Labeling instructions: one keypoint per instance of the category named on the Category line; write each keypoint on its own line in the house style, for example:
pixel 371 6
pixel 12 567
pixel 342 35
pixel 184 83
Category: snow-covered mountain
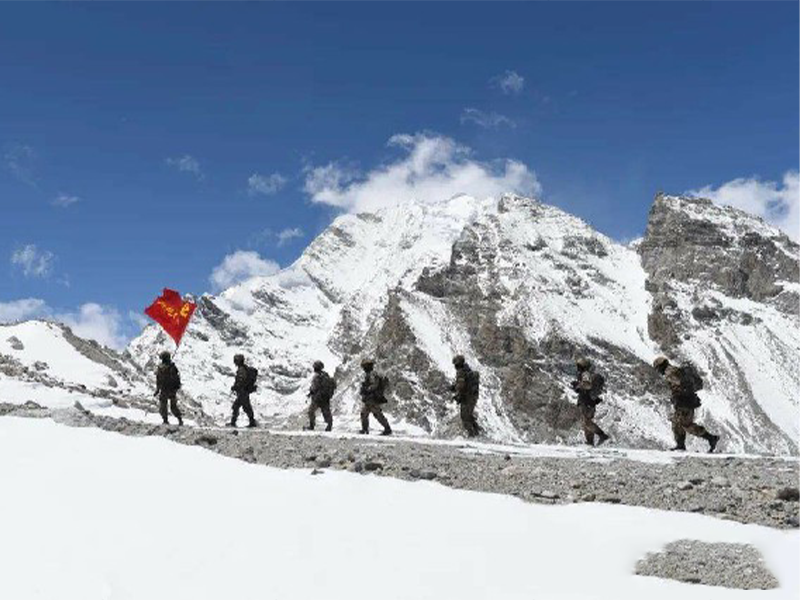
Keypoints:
pixel 520 288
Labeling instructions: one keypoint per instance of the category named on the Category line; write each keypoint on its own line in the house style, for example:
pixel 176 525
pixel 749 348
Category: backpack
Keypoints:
pixel 327 387
pixel 690 378
pixel 598 386
pixel 172 378
pixel 473 384
pixel 383 385
pixel 250 379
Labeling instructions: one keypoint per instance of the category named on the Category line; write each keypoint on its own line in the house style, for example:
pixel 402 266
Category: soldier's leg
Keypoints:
pixel 173 406
pixel 326 414
pixel 678 432
pixel 381 418
pixel 236 406
pixel 162 407
pixel 248 409
pixel 365 418
pixel 468 418
pixel 312 415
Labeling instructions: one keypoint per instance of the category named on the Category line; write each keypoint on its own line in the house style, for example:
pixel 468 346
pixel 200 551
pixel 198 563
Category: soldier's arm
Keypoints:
pixel 158 382
pixel 315 384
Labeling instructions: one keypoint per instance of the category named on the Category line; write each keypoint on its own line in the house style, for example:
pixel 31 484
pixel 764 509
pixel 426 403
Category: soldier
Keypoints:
pixel 243 386
pixel 684 383
pixel 168 382
pixel 465 391
pixel 373 395
pixel 590 386
pixel 322 388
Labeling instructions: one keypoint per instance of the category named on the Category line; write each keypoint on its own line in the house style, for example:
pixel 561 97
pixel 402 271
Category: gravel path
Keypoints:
pixel 760 490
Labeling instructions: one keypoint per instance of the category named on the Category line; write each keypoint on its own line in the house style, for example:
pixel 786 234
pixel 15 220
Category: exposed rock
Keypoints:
pixel 736 566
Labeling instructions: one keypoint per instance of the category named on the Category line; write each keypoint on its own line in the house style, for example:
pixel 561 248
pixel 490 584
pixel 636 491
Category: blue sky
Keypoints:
pixel 142 144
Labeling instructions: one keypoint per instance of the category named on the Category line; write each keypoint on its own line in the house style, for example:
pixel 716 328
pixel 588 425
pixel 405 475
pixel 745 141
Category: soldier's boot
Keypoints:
pixel 603 438
pixel 252 424
pixel 329 426
pixel 180 421
pixel 387 431
pixel 712 441
pixel 589 436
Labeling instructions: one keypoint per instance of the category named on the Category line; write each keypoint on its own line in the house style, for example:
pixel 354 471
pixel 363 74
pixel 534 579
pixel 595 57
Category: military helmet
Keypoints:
pixel 367 363
pixel 165 356
pixel 660 363
pixel 238 359
pixel 583 363
pixel 458 360
pixel 318 365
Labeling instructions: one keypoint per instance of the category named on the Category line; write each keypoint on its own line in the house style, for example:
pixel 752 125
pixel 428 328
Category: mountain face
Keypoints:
pixel 521 289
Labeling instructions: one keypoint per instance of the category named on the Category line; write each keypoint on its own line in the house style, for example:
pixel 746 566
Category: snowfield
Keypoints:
pixel 90 515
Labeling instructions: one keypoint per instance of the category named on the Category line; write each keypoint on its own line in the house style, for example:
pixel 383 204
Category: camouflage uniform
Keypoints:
pixel 683 385
pixel 587 406
pixel 684 403
pixel 467 399
pixel 318 403
pixel 242 397
pixel 168 382
pixel 372 399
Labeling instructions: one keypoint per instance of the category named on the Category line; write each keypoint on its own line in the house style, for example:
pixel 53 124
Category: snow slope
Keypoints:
pixel 92 515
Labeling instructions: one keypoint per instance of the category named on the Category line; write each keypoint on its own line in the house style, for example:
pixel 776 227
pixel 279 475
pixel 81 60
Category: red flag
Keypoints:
pixel 171 312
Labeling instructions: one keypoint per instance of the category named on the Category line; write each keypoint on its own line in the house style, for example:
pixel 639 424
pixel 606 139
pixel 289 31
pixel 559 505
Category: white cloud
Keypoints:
pixel 186 164
pixel 90 321
pixel 32 261
pixel 96 322
pixel 509 82
pixel 777 203
pixel 486 120
pixel 288 234
pixel 433 168
pixel 19 161
pixel 65 200
pixel 265 184
pixel 239 266
pixel 20 310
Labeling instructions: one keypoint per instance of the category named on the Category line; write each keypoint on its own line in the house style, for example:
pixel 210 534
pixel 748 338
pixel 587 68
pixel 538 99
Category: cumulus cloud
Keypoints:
pixel 20 310
pixel 91 320
pixel 65 200
pixel 776 202
pixel 265 184
pixel 19 160
pixel 509 82
pixel 186 164
pixel 288 234
pixel 239 266
pixel 96 322
pixel 33 261
pixel 486 120
pixel 432 168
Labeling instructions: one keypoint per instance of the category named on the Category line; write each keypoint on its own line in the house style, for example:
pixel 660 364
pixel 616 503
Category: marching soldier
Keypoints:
pixel 590 386
pixel 373 390
pixel 243 385
pixel 322 389
pixel 684 383
pixel 168 382
pixel 466 390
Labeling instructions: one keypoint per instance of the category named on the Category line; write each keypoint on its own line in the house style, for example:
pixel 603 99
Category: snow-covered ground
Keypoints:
pixel 89 515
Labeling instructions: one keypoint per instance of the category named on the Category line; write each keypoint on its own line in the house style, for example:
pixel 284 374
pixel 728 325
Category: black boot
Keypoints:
pixel 678 447
pixel 364 432
pixel 329 427
pixel 387 431
pixel 603 438
pixel 252 424
pixel 308 428
pixel 712 441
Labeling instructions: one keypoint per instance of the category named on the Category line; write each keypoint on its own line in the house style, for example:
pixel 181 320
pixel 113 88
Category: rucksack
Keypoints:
pixel 690 378
pixel 327 387
pixel 383 385
pixel 598 386
pixel 250 380
pixel 473 384
pixel 172 378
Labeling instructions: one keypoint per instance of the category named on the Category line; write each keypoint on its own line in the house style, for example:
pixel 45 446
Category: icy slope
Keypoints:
pixel 334 535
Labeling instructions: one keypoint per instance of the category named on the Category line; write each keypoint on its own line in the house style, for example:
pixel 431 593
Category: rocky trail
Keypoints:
pixel 748 489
